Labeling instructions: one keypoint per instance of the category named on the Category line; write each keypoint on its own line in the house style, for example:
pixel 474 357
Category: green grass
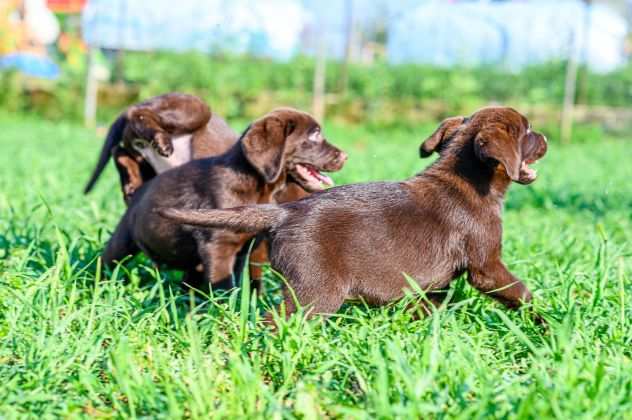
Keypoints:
pixel 132 345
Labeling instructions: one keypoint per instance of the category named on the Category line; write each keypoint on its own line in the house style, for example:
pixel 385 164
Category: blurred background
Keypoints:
pixel 566 63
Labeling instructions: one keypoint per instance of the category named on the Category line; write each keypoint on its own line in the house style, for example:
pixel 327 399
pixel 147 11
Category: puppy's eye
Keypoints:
pixel 139 144
pixel 315 136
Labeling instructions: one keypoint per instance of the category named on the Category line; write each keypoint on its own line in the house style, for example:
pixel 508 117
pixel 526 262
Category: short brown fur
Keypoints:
pixel 252 171
pixel 359 240
pixel 157 120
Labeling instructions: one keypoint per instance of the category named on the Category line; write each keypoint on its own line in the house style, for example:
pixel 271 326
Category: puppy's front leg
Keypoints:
pixel 129 171
pixel 494 279
pixel 258 257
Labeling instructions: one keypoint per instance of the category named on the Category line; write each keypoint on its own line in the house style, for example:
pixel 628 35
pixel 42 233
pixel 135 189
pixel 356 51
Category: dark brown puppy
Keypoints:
pixel 358 240
pixel 182 120
pixel 285 142
pixel 216 138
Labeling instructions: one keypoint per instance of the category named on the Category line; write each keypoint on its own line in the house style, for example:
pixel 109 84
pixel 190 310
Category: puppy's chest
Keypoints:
pixel 182 153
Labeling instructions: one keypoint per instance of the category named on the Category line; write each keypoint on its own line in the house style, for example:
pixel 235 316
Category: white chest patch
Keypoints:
pixel 181 153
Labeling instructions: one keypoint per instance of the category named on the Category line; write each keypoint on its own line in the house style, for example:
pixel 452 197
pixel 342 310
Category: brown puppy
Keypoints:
pixel 285 142
pixel 158 134
pixel 358 240
pixel 159 119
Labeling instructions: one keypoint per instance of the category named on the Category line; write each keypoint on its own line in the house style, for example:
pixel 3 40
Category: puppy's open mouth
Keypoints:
pixel 527 173
pixel 310 178
pixel 535 148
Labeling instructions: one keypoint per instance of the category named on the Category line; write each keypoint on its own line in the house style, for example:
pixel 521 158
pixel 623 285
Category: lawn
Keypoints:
pixel 74 344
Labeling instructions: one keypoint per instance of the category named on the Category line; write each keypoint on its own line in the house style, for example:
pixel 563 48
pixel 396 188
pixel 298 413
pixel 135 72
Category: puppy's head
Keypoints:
pixel 501 137
pixel 290 141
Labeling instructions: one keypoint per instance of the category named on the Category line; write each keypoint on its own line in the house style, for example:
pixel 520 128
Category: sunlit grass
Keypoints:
pixel 134 345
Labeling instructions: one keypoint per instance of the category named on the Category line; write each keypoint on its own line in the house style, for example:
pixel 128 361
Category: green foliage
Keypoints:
pixel 247 87
pixel 131 344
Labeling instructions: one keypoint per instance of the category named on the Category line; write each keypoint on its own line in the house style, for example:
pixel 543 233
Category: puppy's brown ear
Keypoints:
pixel 264 146
pixel 494 143
pixel 446 130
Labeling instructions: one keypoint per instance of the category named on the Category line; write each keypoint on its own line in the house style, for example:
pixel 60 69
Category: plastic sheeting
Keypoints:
pixel 268 28
pixel 439 32
pixel 513 34
pixel 30 64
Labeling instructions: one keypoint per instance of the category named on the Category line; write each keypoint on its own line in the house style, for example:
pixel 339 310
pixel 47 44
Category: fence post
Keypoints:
pixel 92 88
pixel 570 85
pixel 318 104
pixel 349 26
pixel 579 41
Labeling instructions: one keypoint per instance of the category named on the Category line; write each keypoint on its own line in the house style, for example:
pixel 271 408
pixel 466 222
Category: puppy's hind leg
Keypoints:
pixel 120 245
pixel 218 257
pixel 194 279
pixel 324 299
pixel 129 170
pixel 256 252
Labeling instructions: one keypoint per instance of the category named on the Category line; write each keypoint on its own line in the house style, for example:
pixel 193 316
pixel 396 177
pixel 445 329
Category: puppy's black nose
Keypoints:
pixel 342 157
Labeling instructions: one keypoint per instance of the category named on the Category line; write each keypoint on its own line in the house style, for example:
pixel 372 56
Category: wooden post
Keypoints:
pixel 582 73
pixel 318 104
pixel 579 42
pixel 570 85
pixel 118 72
pixel 92 88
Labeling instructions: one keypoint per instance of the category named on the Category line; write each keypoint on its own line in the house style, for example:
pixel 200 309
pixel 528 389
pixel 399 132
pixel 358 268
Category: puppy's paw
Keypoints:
pixel 539 320
pixel 162 144
pixel 128 192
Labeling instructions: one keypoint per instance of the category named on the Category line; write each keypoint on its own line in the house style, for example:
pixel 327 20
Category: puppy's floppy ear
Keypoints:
pixel 289 127
pixel 493 142
pixel 446 130
pixel 264 146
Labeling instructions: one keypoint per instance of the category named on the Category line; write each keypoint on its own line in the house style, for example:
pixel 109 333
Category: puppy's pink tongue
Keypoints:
pixel 324 179
pixel 321 177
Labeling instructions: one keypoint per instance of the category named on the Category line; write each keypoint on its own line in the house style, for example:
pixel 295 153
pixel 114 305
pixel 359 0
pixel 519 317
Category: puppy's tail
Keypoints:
pixel 246 219
pixel 115 134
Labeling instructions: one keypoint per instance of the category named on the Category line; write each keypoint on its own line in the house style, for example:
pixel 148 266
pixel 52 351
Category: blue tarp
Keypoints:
pixel 30 64
pixel 268 28
pixel 513 34
pixel 510 33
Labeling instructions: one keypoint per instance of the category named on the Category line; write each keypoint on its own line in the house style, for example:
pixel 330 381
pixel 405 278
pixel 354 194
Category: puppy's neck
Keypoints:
pixel 235 158
pixel 459 161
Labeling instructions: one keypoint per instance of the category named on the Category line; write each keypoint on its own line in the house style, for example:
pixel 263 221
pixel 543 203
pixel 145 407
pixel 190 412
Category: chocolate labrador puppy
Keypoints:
pixel 284 143
pixel 184 124
pixel 358 240
pixel 159 134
